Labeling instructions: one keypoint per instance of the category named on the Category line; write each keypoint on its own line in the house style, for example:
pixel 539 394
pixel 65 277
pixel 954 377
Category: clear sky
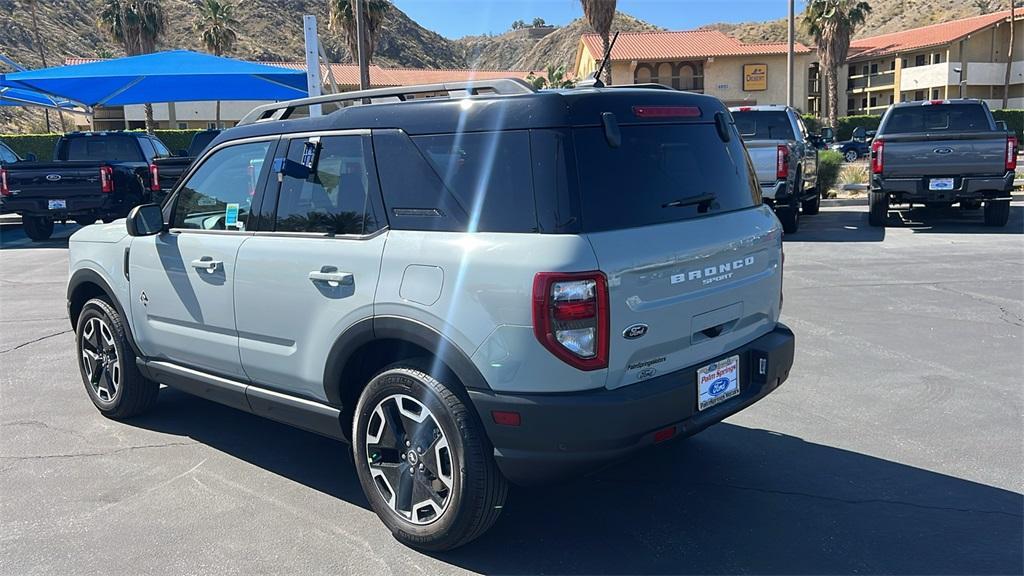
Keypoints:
pixel 457 18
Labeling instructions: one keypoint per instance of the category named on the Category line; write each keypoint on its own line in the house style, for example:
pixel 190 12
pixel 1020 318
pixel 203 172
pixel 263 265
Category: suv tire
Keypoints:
pixel 812 206
pixel 997 212
pixel 37 228
pixel 851 155
pixel 107 363
pixel 406 418
pixel 790 218
pixel 878 208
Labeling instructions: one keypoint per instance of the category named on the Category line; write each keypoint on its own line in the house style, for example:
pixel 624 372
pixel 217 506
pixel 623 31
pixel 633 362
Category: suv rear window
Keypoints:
pixel 100 149
pixel 938 118
pixel 655 174
pixel 764 125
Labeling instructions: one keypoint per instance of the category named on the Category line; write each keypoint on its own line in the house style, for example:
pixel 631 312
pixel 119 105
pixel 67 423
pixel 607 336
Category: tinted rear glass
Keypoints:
pixel 764 125
pixel 938 118
pixel 101 148
pixel 657 169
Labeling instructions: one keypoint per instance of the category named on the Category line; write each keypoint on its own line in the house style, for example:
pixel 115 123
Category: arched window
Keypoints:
pixel 642 74
pixel 686 74
pixel 664 74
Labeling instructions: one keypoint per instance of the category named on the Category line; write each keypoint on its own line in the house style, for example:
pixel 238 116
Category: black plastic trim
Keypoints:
pixel 85 275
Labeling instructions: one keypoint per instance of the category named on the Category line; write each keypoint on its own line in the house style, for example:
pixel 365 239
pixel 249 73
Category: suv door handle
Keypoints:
pixel 206 263
pixel 330 276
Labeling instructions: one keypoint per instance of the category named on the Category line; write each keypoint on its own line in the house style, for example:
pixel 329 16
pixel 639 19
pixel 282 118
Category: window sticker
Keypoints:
pixel 231 214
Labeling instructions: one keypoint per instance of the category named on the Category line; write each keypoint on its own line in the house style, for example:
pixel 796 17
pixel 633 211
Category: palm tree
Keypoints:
pixel 1009 57
pixel 599 14
pixel 554 78
pixel 832 24
pixel 137 26
pixel 33 5
pixel 217 26
pixel 343 17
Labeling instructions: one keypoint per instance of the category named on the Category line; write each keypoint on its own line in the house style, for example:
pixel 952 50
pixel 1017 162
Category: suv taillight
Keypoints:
pixel 782 162
pixel 4 189
pixel 106 179
pixel 154 178
pixel 570 317
pixel 877 159
pixel 1011 153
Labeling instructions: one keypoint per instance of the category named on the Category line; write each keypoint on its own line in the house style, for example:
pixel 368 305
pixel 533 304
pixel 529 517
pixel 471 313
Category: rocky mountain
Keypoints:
pixel 520 50
pixel 886 16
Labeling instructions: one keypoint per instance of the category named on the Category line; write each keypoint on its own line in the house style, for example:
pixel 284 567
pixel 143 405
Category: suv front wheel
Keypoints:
pixel 424 461
pixel 107 363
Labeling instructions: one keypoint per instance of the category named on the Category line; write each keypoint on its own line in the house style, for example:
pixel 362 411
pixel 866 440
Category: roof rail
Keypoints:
pixel 283 110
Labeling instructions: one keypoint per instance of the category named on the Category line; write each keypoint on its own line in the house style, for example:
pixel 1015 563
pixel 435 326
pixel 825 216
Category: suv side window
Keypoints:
pixel 161 150
pixel 148 150
pixel 7 156
pixel 219 194
pixel 327 186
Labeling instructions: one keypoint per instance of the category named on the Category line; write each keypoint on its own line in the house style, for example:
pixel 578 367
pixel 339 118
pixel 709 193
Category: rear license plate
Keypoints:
pixel 57 204
pixel 718 382
pixel 940 184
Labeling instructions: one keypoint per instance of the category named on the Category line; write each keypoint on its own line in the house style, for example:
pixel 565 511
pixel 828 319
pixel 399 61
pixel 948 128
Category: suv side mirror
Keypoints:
pixel 145 220
pixel 30 157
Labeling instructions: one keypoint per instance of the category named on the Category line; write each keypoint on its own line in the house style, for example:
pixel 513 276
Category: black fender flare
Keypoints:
pixel 88 276
pixel 396 328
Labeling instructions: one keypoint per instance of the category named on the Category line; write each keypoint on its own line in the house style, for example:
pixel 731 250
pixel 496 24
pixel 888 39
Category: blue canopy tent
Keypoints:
pixel 174 76
pixel 19 97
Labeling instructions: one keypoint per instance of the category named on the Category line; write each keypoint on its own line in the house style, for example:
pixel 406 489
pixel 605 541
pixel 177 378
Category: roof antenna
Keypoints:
pixel 594 80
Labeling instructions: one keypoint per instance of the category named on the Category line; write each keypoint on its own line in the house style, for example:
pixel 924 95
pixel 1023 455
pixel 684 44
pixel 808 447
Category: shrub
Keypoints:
pixel 853 174
pixel 1013 118
pixel 39 144
pixel 42 145
pixel 829 163
pixel 847 124
pixel 813 123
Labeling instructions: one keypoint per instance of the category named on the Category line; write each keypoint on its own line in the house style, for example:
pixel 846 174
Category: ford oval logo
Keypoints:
pixel 53 177
pixel 943 151
pixel 635 331
pixel 718 386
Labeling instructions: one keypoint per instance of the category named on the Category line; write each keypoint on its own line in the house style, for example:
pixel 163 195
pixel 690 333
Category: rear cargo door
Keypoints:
pixel 53 186
pixel 691 256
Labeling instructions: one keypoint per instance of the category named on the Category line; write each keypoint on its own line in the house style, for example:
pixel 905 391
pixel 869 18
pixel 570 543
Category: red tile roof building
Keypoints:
pixel 923 63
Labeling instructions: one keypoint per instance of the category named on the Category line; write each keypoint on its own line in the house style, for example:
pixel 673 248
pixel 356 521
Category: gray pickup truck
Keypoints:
pixel 941 152
pixel 785 160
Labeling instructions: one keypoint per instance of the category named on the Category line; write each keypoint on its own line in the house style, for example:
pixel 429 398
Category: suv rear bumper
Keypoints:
pixel 968 188
pixel 561 435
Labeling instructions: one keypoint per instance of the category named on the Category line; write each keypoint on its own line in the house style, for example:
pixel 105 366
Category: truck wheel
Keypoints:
pixel 851 156
pixel 424 461
pixel 38 228
pixel 997 212
pixel 789 216
pixel 878 208
pixel 812 206
pixel 107 363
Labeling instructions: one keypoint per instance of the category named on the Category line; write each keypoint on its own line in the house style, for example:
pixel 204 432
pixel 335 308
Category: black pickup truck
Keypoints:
pixel 169 170
pixel 941 152
pixel 95 175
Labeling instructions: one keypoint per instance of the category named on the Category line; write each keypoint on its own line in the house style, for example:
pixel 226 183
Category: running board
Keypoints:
pixel 292 410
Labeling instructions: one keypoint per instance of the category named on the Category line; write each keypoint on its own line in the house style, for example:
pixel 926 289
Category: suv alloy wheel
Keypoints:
pixel 424 461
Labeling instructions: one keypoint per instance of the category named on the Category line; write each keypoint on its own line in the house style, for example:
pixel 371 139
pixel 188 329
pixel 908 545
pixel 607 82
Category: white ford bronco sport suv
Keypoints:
pixel 472 284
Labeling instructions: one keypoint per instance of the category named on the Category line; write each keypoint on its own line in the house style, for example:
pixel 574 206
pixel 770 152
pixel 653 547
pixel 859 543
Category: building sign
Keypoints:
pixel 755 77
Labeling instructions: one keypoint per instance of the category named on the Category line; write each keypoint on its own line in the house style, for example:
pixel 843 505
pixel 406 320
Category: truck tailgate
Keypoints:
pixel 765 154
pixel 53 180
pixel 967 154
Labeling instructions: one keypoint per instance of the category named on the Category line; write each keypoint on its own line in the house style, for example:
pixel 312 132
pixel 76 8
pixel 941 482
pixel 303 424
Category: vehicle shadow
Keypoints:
pixel 12 237
pixel 954 221
pixel 731 499
pixel 849 224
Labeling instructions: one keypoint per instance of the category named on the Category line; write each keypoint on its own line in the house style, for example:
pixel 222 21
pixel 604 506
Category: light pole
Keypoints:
pixel 789 54
pixel 364 68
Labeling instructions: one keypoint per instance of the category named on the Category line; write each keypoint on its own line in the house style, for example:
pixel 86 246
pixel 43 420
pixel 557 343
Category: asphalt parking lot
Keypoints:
pixel 895 446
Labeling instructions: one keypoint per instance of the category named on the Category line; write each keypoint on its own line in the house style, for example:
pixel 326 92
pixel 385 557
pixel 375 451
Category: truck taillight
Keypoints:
pixel 5 190
pixel 1011 153
pixel 570 317
pixel 154 178
pixel 782 162
pixel 106 179
pixel 877 158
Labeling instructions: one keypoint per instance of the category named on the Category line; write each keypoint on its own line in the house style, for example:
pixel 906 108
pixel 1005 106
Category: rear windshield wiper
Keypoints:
pixel 690 201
